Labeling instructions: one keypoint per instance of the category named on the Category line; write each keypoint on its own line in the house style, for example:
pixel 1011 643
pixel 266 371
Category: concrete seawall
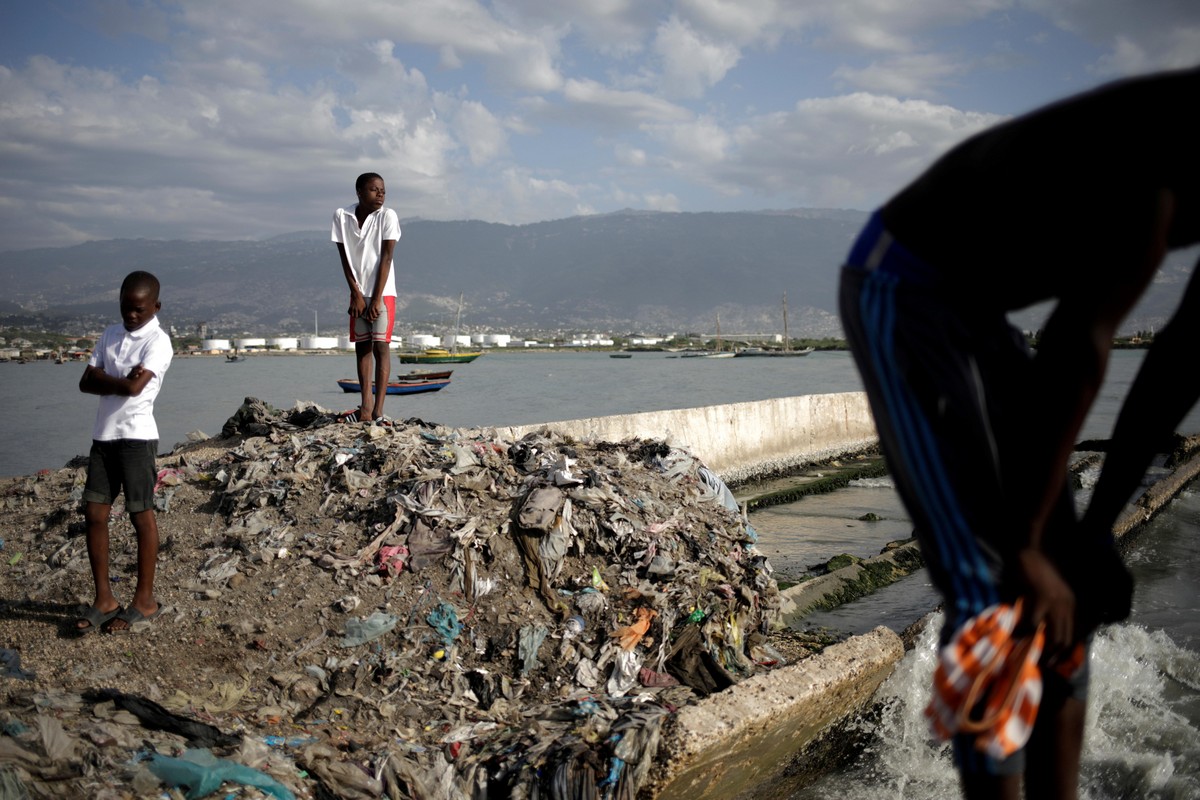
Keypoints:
pixel 746 735
pixel 740 441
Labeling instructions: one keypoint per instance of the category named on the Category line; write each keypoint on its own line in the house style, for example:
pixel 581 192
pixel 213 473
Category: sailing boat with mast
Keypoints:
pixel 720 349
pixel 787 342
pixel 441 355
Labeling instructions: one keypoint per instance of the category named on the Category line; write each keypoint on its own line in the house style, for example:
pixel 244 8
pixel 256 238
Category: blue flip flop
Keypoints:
pixel 95 618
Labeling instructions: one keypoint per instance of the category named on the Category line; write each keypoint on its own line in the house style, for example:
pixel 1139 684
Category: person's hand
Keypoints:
pixel 135 373
pixel 358 304
pixel 375 309
pixel 1048 599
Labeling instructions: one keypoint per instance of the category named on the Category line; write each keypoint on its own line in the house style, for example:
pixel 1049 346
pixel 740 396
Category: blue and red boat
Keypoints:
pixel 400 386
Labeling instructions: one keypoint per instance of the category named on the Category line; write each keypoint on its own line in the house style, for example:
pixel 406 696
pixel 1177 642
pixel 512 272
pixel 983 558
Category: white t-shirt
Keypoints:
pixel 117 352
pixel 364 246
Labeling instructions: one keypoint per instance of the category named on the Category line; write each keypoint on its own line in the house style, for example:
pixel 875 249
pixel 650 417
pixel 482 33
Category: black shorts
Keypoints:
pixel 127 465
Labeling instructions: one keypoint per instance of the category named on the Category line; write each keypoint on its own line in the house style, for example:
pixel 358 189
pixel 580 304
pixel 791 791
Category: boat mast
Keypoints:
pixel 718 332
pixel 457 320
pixel 787 342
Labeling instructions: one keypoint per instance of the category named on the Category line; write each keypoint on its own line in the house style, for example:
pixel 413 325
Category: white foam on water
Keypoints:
pixel 1141 740
pixel 903 761
pixel 1142 737
pixel 873 483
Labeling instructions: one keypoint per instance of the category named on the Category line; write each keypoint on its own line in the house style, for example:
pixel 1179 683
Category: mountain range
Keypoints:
pixel 621 273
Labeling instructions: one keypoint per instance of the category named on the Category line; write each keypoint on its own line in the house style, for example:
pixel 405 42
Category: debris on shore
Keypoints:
pixel 366 610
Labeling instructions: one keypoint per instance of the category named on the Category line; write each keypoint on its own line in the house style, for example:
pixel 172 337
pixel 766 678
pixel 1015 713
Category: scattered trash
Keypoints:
pixel 366 630
pixel 400 611
pixel 10 665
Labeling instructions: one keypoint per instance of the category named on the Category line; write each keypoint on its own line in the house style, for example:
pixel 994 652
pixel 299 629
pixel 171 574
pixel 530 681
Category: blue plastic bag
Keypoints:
pixel 203 773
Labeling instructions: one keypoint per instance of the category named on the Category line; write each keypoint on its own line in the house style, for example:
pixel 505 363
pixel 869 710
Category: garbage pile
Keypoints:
pixel 365 610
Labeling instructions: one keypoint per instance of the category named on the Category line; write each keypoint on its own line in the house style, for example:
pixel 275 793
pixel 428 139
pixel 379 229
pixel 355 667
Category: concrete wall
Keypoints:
pixel 747 735
pixel 741 440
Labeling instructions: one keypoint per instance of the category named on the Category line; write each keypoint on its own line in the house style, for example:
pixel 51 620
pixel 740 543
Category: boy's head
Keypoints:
pixel 370 190
pixel 139 299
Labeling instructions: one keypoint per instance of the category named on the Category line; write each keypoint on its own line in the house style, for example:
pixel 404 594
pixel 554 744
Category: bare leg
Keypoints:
pixel 362 353
pixel 97 515
pixel 382 373
pixel 991 787
pixel 1055 749
pixel 146 526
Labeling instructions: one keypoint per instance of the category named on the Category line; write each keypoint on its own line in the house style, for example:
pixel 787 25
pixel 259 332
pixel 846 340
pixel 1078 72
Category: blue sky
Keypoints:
pixel 222 119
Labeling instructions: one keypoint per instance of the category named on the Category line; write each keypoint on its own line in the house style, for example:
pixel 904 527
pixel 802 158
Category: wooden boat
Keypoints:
pixel 720 351
pixel 620 355
pixel 440 355
pixel 760 352
pixel 787 343
pixel 398 387
pixel 422 375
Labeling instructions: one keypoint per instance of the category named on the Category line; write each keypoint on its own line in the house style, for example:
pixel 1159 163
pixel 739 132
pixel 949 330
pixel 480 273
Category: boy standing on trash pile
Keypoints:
pixel 126 369
pixel 1075 203
pixel 366 235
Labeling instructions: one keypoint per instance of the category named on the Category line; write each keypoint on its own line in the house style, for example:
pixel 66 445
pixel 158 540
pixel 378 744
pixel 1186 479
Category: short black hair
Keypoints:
pixel 141 281
pixel 362 180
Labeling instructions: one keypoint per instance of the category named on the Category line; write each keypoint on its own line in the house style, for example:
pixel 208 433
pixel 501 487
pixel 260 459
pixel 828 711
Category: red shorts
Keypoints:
pixel 363 330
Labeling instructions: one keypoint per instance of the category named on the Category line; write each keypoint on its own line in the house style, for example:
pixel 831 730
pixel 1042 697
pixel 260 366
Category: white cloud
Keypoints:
pixel 661 202
pixel 918 75
pixel 593 99
pixel 1176 50
pixel 696 143
pixel 1146 36
pixel 239 121
pixel 630 156
pixel 691 63
pixel 460 30
pixel 481 133
pixel 896 26
pixel 851 151
pixel 615 28
pixel 747 21
pixel 532 197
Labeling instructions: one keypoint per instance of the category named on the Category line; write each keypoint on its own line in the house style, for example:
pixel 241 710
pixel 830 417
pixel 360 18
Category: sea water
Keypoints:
pixel 46 420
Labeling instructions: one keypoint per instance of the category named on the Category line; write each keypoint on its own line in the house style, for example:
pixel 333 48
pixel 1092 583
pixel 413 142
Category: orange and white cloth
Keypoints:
pixel 983 665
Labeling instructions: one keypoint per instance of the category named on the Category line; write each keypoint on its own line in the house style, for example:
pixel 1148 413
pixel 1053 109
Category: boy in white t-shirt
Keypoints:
pixel 366 235
pixel 126 369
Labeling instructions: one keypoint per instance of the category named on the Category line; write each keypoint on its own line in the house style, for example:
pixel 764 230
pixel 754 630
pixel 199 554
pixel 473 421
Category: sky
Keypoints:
pixel 233 120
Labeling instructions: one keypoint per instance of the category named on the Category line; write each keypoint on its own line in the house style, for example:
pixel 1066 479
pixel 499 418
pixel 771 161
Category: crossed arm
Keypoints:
pixel 97 381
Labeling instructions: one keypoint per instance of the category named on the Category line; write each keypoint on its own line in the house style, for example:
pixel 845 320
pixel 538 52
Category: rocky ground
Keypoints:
pixel 379 611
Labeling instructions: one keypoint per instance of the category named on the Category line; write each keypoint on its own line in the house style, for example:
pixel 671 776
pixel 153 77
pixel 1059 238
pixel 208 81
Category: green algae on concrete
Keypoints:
pixel 819 478
pixel 850 579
